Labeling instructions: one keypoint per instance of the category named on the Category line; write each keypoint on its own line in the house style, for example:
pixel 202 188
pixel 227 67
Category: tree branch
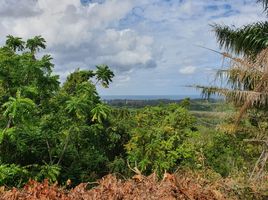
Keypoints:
pixel 256 141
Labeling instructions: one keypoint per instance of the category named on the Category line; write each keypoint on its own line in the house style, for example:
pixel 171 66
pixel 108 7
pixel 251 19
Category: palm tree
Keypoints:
pixel 264 4
pixel 247 77
pixel 15 43
pixel 249 40
pixel 247 82
pixel 104 75
pixel 35 44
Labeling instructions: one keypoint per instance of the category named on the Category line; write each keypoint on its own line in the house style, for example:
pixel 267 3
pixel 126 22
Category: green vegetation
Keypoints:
pixel 248 40
pixel 246 83
pixel 160 143
pixel 48 130
pixel 65 132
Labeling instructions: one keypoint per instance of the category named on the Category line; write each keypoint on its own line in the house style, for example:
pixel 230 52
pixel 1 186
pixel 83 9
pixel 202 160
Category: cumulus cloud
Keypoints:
pixel 83 33
pixel 145 42
pixel 16 9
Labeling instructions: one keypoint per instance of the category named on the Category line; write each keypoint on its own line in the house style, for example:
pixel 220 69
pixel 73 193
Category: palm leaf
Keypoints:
pixel 264 4
pixel 248 40
pixel 246 83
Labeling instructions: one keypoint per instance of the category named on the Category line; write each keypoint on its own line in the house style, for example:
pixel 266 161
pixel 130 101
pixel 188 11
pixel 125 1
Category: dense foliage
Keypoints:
pixel 159 138
pixel 66 134
pixel 48 130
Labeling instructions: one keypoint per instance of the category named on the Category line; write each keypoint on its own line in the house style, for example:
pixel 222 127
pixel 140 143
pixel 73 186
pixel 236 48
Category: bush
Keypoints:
pixel 13 175
pixel 224 153
pixel 158 139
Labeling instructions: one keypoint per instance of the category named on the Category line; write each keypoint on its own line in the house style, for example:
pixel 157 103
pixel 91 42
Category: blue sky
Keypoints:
pixel 151 45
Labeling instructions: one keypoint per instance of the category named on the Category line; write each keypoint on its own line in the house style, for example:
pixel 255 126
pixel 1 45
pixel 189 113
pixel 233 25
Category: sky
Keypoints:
pixel 151 45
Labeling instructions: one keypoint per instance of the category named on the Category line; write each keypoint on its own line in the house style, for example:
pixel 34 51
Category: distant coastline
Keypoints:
pixel 140 101
pixel 149 97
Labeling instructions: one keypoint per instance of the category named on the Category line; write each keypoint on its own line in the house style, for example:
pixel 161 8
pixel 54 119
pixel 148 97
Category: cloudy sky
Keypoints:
pixel 151 45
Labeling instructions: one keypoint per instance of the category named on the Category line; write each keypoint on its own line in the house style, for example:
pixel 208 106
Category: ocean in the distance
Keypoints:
pixel 148 97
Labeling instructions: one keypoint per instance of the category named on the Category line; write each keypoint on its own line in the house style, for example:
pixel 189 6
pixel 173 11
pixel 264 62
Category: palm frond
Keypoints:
pixel 248 40
pixel 264 4
pixel 246 83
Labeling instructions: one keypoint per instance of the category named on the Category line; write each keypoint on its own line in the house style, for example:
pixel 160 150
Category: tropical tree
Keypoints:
pixel 77 106
pixel 100 112
pixel 79 78
pixel 42 122
pixel 248 40
pixel 158 139
pixel 17 106
pixel 246 79
pixel 104 75
pixel 35 44
pixel 16 109
pixel 15 43
pixel 264 3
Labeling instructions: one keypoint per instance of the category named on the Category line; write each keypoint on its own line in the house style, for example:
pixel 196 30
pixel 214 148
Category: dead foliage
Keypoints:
pixel 140 187
pixel 34 190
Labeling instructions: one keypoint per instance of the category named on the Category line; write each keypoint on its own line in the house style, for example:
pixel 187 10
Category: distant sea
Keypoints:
pixel 149 97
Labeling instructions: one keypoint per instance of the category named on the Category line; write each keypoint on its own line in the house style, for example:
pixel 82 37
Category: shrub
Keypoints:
pixel 158 139
pixel 13 175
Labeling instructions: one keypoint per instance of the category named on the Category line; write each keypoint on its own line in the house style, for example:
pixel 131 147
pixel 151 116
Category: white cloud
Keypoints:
pixel 188 70
pixel 144 41
pixel 19 9
pixel 84 35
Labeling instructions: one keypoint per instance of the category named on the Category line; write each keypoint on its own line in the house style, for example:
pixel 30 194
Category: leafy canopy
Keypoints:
pixel 48 130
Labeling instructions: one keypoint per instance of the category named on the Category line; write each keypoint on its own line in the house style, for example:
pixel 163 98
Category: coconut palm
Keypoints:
pixel 246 82
pixel 247 87
pixel 248 40
pixel 15 43
pixel 264 4
pixel 246 78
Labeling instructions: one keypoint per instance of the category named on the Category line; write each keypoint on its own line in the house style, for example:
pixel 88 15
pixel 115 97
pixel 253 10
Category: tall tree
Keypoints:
pixel 248 40
pixel 247 77
pixel 16 108
pixel 42 122
pixel 15 43
pixel 35 44
pixel 264 4
pixel 104 75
